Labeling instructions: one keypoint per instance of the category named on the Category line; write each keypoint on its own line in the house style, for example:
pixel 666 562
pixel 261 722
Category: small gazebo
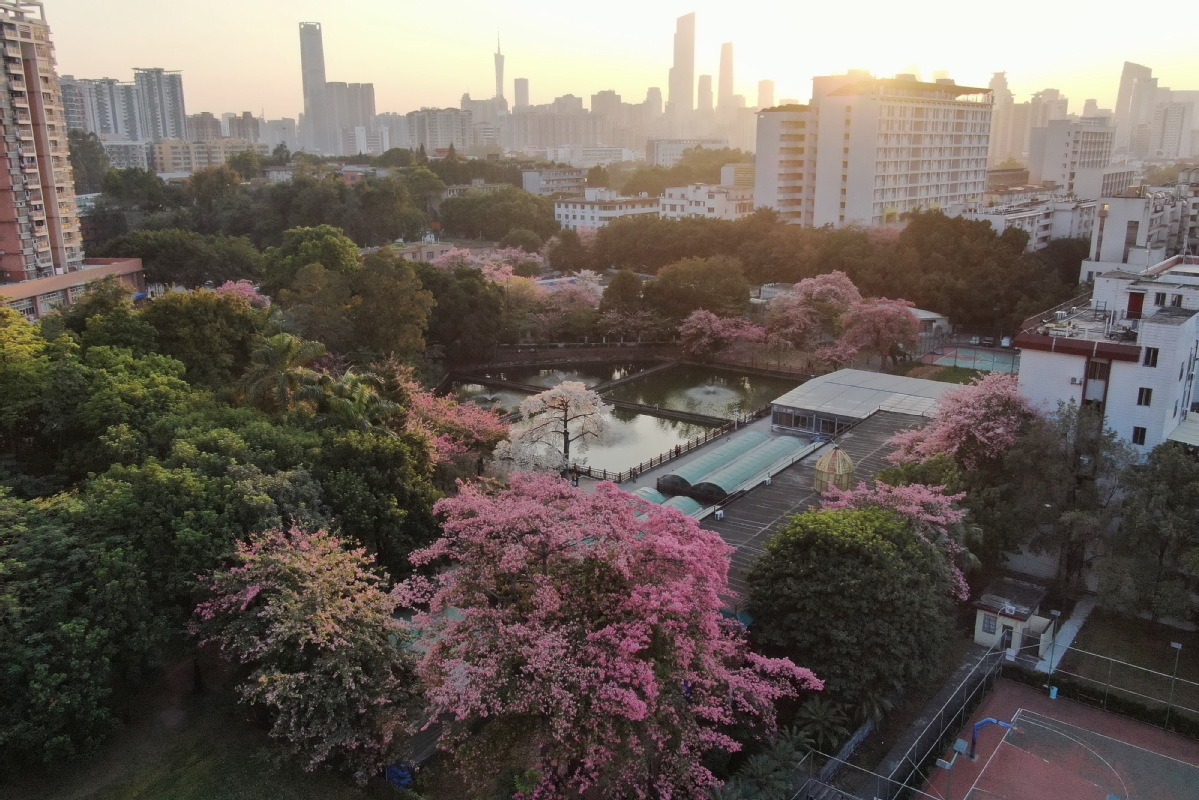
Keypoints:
pixel 834 468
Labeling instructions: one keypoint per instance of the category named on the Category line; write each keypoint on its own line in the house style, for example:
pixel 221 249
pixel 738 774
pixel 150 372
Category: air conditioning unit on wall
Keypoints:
pixel 1075 382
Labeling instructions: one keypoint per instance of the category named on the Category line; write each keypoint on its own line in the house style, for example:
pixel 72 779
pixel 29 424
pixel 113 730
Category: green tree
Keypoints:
pixel 392 308
pixel 89 162
pixel 713 284
pixel 134 187
pixel 23 368
pixel 566 252
pixel 247 164
pixel 524 239
pixel 467 314
pixel 278 371
pixel 395 157
pixel 493 215
pixel 858 594
pixel 211 334
pixel 598 176
pixel 323 244
pixel 187 258
pixel 623 293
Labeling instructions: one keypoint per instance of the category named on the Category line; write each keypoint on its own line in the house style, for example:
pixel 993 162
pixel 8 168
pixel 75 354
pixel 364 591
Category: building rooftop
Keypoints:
pixel 857 394
pixel 1012 597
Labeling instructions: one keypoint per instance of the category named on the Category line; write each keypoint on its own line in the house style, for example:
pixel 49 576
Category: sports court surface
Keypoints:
pixel 981 358
pixel 1061 750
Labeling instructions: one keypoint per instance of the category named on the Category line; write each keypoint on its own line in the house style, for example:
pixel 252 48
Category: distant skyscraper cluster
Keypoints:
pixel 148 108
pixel 339 118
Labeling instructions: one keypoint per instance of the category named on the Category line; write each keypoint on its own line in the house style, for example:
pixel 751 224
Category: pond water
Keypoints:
pixel 502 400
pixel 634 438
pixel 550 376
pixel 703 390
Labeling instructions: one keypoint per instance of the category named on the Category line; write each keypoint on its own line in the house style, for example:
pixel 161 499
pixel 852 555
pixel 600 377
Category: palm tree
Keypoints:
pixel 279 371
pixel 825 721
pixel 353 401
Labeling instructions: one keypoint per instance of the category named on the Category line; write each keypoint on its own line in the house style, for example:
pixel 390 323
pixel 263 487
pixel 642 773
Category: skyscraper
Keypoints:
pixel 314 133
pixel 499 71
pixel 724 96
pixel 681 98
pixel 160 93
pixel 765 94
pixel 104 106
pixel 522 92
pixel 39 223
pixel 1134 102
pixel 704 96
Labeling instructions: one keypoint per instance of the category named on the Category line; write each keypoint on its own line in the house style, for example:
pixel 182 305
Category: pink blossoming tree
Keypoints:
pixel 704 334
pixel 880 325
pixel 578 636
pixel 975 424
pixel 933 514
pixel 245 290
pixel 316 629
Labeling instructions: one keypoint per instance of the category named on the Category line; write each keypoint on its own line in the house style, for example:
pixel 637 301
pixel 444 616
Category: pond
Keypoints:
pixel 587 374
pixel 502 400
pixel 634 438
pixel 703 390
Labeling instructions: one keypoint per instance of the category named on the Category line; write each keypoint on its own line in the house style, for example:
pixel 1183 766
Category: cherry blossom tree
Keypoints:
pixel 496 264
pixel 586 644
pixel 245 290
pixel 933 514
pixel 975 424
pixel 882 326
pixel 828 297
pixel 551 422
pixel 315 627
pixel 703 334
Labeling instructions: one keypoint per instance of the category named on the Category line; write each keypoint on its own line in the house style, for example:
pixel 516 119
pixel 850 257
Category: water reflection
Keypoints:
pixel 639 437
pixel 587 374
pixel 502 400
pixel 703 390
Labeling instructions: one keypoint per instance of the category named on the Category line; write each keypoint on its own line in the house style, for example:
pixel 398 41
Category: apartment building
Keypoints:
pixel 564 181
pixel 1071 155
pixel 438 128
pixel 707 201
pixel 1043 218
pixel 179 156
pixel 869 150
pixel 599 207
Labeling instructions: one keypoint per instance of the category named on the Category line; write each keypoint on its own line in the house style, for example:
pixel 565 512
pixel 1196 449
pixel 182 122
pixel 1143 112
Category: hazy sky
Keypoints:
pixel 241 55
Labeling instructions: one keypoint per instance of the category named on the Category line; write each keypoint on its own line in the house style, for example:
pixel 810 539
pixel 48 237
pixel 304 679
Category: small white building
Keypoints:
pixel 1043 219
pixel 828 404
pixel 598 207
pixel 1128 349
pixel 1006 615
pixel 707 201
pixel 554 181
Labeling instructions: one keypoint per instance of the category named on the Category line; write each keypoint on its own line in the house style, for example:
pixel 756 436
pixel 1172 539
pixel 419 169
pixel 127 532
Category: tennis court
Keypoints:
pixel 981 358
pixel 1060 749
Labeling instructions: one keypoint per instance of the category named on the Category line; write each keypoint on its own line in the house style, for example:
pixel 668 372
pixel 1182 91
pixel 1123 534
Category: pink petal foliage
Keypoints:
pixel 584 631
pixel 932 513
pixel 976 424
pixel 312 621
pixel 704 334
pixel 245 290
pixel 497 264
pixel 879 324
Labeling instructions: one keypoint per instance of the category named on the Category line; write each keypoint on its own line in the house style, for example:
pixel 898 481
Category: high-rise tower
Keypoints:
pixel 39 224
pixel 765 93
pixel 160 93
pixel 681 99
pixel 1134 102
pixel 724 93
pixel 522 92
pixel 314 133
pixel 499 71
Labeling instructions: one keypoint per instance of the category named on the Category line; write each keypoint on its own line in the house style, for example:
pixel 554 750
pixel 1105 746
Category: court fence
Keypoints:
pixel 1120 687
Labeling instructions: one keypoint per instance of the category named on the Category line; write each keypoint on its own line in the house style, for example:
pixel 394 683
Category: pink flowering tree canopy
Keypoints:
pixel 245 290
pixel 882 326
pixel 828 296
pixel 976 425
pixel 566 418
pixel 704 334
pixel 311 621
pixel 578 636
pixel 932 513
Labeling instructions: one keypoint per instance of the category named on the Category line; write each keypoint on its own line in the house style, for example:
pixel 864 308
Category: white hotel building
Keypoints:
pixel 867 150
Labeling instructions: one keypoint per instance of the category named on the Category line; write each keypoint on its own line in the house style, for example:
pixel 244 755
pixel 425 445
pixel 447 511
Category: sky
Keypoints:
pixel 245 55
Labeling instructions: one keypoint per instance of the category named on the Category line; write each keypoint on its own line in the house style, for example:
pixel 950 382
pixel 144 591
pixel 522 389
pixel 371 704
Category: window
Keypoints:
pixel 1138 435
pixel 1150 359
pixel 1176 300
pixel 1159 298
pixel 1144 396
pixel 989 622
pixel 1098 370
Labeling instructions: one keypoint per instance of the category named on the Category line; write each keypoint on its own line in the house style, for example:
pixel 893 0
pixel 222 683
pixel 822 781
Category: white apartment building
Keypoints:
pixel 123 155
pixel 438 128
pixel 1071 155
pixel 1129 349
pixel 707 201
pixel 1043 219
pixel 1144 227
pixel 868 150
pixel 598 207
pixel 585 157
pixel 668 152
pixel 554 181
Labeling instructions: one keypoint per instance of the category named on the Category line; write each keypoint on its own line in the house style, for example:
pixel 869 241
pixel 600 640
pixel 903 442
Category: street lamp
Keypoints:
pixel 1173 681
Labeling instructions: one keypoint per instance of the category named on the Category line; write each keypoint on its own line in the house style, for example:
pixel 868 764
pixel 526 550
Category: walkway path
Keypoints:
pixel 1066 633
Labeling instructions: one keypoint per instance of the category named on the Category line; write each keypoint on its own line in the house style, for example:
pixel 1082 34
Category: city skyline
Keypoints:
pixel 246 56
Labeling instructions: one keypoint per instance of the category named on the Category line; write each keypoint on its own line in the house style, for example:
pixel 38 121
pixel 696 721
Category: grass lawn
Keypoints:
pixel 1145 644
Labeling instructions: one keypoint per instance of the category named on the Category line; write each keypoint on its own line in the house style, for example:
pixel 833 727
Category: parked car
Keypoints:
pixel 988 341
pixel 974 341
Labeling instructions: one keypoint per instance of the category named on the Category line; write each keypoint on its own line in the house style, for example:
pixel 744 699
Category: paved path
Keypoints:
pixel 1066 633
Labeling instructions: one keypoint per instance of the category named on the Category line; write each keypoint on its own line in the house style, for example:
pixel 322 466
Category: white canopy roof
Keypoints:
pixel 857 394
